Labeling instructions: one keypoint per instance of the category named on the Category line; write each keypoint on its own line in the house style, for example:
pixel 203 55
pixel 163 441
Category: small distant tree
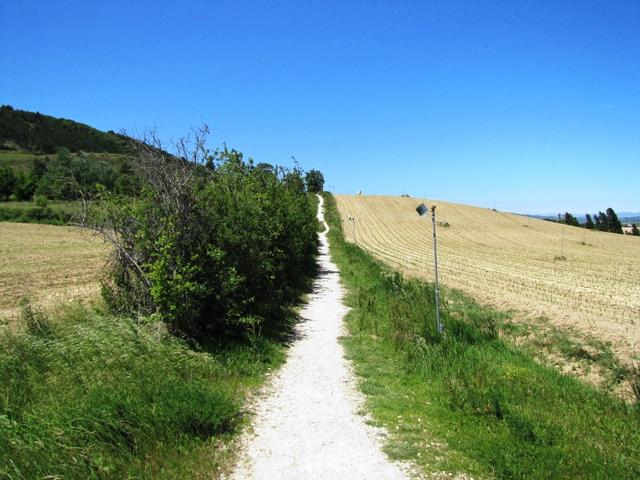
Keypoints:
pixel 634 230
pixel 589 223
pixel 570 220
pixel 613 222
pixel 596 220
pixel 24 187
pixel 8 182
pixel 314 180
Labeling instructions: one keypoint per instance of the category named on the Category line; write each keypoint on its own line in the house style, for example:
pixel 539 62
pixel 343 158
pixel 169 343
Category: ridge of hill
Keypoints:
pixel 39 133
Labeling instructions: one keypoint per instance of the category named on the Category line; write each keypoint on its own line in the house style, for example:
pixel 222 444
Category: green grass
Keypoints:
pixel 470 401
pixel 90 395
pixel 55 213
pixel 20 161
pixel 571 350
pixel 23 161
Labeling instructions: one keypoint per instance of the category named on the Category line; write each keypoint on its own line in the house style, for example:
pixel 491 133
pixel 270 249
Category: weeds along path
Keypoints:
pixel 307 424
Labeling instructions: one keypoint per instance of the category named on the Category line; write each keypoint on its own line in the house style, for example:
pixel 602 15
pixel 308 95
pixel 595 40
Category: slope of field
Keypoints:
pixel 47 263
pixel 512 262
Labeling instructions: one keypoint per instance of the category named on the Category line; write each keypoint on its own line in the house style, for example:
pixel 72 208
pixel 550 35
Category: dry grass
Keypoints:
pixel 48 264
pixel 513 262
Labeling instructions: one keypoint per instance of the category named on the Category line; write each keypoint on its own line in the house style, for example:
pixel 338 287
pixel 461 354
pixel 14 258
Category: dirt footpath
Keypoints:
pixel 307 424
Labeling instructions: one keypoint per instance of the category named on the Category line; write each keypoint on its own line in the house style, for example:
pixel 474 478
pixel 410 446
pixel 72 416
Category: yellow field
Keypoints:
pixel 511 262
pixel 47 263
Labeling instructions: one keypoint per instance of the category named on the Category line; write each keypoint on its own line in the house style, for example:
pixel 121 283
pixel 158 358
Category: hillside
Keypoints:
pixel 573 276
pixel 38 133
pixel 59 159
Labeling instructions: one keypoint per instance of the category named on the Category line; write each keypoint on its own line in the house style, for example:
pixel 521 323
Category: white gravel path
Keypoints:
pixel 307 425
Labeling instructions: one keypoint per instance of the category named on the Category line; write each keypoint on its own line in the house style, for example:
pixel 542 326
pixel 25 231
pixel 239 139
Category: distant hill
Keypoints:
pixel 38 133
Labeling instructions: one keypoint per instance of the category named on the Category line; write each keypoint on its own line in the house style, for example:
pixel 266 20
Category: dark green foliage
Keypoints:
pixel 89 396
pixel 68 177
pixel 38 211
pixel 41 133
pixel 7 183
pixel 220 248
pixel 608 222
pixel 490 402
pixel 589 223
pixel 596 219
pixel 314 180
pixel 613 224
pixel 634 230
pixel 570 220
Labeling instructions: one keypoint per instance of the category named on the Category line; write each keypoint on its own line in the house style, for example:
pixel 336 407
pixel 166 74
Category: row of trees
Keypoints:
pixel 214 244
pixel 604 221
pixel 67 177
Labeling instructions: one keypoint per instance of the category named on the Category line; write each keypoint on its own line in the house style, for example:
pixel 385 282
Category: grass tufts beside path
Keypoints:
pixel 96 396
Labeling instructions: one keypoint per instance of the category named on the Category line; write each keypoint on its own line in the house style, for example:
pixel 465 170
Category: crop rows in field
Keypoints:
pixel 511 261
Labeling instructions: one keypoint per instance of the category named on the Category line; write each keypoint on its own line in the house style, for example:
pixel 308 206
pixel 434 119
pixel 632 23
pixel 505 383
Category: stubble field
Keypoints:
pixel 574 277
pixel 47 264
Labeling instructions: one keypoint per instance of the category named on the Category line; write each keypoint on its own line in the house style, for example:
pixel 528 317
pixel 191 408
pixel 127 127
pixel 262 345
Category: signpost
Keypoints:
pixel 422 210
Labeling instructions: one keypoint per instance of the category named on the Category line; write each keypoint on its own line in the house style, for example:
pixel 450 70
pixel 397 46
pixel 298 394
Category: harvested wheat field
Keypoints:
pixel 48 264
pixel 572 276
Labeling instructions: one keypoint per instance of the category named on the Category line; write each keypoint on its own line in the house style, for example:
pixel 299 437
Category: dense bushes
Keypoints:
pixel 213 244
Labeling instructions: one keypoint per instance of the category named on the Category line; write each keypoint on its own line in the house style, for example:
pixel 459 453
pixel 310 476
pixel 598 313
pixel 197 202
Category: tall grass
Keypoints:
pixel 469 401
pixel 96 396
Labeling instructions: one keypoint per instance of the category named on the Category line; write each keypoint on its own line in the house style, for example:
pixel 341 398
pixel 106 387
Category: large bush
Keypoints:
pixel 214 244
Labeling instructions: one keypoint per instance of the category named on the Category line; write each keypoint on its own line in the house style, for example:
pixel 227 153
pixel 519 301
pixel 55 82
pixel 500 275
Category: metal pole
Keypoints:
pixel 353 225
pixel 439 325
pixel 355 240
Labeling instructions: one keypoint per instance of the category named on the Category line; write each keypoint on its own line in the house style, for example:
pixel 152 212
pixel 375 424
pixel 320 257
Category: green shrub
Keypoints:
pixel 209 247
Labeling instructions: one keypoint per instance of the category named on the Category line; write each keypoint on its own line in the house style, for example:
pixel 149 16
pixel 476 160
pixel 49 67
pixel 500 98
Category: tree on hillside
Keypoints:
pixel 613 223
pixel 570 220
pixel 634 230
pixel 589 223
pixel 596 219
pixel 602 221
pixel 314 180
pixel 7 182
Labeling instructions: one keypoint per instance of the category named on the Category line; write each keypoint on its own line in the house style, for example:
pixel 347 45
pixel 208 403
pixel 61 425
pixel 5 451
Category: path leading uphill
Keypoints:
pixel 307 425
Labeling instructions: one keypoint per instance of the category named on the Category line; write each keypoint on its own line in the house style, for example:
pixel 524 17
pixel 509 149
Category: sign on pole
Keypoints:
pixel 422 209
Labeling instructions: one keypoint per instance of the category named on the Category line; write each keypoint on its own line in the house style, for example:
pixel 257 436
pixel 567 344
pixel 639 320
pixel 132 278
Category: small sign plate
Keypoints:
pixel 422 209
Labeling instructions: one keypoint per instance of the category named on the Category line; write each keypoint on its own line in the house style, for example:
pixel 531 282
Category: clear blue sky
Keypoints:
pixel 534 105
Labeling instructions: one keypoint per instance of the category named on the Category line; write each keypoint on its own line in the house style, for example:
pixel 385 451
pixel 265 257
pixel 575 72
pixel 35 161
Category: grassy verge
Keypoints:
pixel 90 395
pixel 471 402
